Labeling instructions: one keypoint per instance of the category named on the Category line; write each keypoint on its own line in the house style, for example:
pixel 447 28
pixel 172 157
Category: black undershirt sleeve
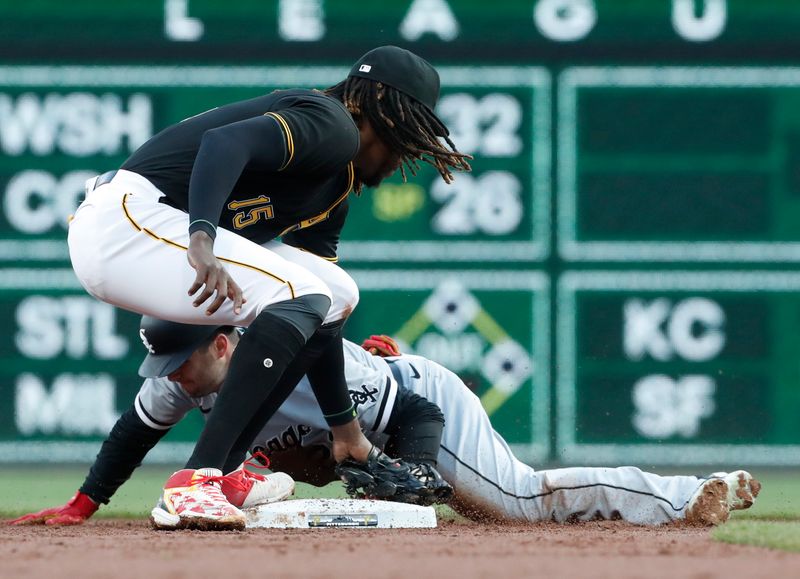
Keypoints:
pixel 122 452
pixel 326 377
pixel 224 153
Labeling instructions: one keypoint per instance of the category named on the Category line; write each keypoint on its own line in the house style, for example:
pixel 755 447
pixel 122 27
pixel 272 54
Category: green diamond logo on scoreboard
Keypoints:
pixel 490 328
pixel 453 310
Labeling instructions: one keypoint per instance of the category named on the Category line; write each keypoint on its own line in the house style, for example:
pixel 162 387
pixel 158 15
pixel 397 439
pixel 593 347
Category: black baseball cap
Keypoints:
pixel 169 344
pixel 405 71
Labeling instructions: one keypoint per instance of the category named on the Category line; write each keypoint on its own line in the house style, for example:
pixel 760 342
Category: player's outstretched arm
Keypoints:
pixel 122 452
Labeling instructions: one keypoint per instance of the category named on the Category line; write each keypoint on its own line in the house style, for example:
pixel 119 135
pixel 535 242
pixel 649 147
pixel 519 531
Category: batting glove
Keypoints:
pixel 382 346
pixel 75 512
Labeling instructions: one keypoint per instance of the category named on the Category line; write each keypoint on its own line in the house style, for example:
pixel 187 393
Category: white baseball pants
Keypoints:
pixel 489 480
pixel 129 250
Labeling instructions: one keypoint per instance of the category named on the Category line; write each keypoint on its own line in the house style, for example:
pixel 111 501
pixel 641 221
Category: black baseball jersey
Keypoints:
pixel 276 165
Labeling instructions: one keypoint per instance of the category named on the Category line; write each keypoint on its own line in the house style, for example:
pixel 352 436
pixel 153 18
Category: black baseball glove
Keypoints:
pixel 391 479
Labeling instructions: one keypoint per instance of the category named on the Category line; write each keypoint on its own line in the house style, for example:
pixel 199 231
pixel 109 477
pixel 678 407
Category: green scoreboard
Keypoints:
pixel 678 366
pixel 679 164
pixel 617 279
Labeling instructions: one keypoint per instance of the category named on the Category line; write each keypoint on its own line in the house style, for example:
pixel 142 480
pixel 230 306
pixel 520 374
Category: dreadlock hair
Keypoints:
pixel 402 123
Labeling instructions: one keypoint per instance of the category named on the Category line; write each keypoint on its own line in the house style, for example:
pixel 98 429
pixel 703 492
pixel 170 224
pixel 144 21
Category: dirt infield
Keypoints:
pixel 123 549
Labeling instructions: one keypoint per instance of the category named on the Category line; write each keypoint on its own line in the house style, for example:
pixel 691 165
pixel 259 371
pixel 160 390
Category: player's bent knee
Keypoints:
pixel 312 285
pixel 341 287
pixel 345 298
pixel 317 303
pixel 306 313
pixel 343 290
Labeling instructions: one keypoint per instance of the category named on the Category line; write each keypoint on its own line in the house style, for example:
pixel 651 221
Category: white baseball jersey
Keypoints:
pixel 161 404
pixel 473 457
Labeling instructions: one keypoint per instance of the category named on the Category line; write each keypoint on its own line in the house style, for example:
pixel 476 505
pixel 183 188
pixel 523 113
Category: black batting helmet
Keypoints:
pixel 169 344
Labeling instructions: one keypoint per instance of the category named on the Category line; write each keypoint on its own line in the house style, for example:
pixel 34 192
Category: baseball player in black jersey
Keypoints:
pixel 198 208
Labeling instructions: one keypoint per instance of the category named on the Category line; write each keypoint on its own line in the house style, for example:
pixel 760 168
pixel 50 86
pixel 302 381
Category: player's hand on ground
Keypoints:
pixel 211 276
pixel 75 512
pixel 381 345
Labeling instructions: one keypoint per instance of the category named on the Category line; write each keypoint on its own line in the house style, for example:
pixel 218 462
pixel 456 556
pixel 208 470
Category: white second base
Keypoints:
pixel 337 513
